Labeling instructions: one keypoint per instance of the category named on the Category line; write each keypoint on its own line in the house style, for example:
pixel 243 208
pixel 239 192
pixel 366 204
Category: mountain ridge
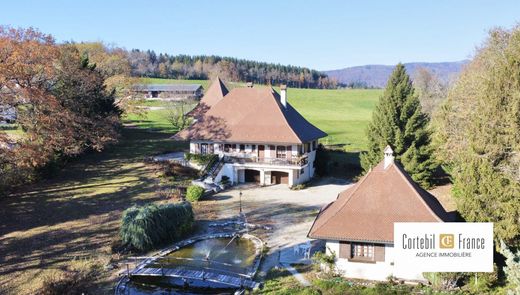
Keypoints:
pixel 376 76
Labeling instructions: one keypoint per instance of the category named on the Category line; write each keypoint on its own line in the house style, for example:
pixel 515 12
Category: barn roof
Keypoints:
pixel 251 114
pixel 367 211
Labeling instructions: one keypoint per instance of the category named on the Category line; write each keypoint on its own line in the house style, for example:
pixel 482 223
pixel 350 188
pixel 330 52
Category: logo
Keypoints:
pixel 446 241
pixel 443 247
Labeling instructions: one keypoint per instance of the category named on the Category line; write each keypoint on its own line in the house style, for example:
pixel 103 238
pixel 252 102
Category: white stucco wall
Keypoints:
pixel 227 170
pixel 378 271
pixel 193 147
pixel 295 175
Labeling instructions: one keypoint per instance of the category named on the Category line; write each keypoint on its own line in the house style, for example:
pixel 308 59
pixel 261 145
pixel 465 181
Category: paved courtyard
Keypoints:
pixel 287 214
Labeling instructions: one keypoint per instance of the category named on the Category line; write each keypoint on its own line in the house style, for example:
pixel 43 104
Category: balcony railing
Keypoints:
pixel 244 158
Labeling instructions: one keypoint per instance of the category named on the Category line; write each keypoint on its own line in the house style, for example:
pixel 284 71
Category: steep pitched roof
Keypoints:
pixel 214 94
pixel 367 211
pixel 251 114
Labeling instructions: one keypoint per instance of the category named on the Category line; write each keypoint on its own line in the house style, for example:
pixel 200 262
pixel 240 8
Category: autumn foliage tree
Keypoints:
pixel 62 104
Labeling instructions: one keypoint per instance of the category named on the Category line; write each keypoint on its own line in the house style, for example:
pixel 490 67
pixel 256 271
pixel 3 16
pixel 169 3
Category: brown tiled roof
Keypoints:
pixel 251 114
pixel 367 211
pixel 214 94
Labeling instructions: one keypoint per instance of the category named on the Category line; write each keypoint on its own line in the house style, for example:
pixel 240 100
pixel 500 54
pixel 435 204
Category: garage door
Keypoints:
pixel 279 177
pixel 252 176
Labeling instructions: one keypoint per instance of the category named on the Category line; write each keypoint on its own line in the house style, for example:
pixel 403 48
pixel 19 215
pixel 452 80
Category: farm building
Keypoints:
pixel 258 136
pixel 359 226
pixel 170 91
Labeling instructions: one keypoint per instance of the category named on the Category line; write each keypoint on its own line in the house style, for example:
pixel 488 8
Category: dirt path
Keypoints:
pixel 76 215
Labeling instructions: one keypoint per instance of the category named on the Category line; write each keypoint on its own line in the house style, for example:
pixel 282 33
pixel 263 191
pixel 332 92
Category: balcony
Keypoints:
pixel 244 158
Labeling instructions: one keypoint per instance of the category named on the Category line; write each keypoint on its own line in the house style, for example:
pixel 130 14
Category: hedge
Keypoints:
pixel 147 227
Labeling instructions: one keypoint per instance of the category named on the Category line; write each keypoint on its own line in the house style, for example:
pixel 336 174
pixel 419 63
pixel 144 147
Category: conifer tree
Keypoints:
pixel 478 134
pixel 398 121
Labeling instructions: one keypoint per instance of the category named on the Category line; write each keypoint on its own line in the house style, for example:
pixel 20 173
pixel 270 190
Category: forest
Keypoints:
pixel 150 64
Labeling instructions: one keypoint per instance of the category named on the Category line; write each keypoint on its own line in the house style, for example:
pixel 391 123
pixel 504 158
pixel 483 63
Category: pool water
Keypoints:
pixel 234 255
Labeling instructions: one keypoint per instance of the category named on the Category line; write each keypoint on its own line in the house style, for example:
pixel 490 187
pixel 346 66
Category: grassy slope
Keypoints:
pixel 343 114
pixel 76 215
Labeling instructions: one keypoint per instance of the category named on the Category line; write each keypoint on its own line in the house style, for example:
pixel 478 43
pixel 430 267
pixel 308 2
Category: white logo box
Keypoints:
pixel 463 246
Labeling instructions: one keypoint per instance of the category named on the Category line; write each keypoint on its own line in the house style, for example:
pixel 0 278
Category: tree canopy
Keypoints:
pixel 478 130
pixel 61 102
pixel 398 121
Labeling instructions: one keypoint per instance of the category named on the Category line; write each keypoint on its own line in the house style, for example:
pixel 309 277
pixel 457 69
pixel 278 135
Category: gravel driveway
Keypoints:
pixel 288 214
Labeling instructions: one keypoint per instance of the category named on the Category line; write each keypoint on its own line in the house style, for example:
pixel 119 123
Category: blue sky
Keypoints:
pixel 318 34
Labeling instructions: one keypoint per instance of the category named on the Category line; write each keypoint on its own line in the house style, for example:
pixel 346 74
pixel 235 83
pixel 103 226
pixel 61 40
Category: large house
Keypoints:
pixel 170 91
pixel 359 226
pixel 257 134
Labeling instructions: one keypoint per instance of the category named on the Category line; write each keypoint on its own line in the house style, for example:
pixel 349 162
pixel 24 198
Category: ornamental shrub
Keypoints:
pixel 194 193
pixel 147 227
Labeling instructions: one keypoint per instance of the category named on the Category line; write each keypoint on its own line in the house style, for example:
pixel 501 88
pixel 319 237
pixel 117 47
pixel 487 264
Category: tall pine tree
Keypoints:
pixel 398 121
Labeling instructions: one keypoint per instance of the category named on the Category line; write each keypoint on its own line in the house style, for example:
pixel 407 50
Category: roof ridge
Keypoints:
pixel 414 189
pixel 278 103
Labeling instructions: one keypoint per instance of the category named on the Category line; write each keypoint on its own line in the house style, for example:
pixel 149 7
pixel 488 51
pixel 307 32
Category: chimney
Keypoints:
pixel 283 95
pixel 389 156
pixel 249 84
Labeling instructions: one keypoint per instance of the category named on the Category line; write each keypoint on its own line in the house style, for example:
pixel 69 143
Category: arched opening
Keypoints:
pixel 252 176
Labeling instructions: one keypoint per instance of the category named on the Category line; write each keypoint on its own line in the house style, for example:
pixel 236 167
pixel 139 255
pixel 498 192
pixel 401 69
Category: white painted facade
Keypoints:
pixel 376 271
pixel 297 171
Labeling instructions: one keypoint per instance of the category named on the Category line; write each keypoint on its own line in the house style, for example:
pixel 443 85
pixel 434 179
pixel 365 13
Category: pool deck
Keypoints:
pixel 233 281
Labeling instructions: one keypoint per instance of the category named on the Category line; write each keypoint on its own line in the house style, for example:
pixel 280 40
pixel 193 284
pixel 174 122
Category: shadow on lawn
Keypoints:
pixel 87 197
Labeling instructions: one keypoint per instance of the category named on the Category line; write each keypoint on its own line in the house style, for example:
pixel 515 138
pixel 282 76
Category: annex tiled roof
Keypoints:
pixel 367 211
pixel 251 114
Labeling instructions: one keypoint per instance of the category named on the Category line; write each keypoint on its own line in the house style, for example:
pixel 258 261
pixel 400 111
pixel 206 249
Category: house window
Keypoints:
pixel 307 147
pixel 204 148
pixel 253 147
pixel 314 145
pixel 302 171
pixel 242 147
pixel 362 251
pixel 227 147
pixel 281 152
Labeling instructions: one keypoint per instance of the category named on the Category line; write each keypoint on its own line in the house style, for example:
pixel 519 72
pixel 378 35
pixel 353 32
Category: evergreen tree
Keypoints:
pixel 399 122
pixel 478 134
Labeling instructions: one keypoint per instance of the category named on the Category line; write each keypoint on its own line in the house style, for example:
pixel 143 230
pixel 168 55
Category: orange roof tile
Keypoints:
pixel 367 211
pixel 251 114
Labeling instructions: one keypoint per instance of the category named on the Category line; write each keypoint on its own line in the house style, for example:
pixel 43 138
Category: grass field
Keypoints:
pixel 342 113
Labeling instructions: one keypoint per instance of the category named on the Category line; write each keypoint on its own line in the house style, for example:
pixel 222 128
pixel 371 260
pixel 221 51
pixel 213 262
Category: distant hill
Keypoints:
pixel 375 76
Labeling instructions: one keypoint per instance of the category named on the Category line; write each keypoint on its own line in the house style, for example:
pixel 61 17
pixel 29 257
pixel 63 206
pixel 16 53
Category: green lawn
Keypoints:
pixel 154 119
pixel 344 114
pixel 204 83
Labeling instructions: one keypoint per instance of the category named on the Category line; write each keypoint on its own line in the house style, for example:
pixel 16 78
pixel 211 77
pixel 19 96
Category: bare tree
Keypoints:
pixel 431 90
pixel 177 113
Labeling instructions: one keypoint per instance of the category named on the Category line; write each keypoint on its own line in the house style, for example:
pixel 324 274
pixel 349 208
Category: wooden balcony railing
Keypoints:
pixel 244 158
